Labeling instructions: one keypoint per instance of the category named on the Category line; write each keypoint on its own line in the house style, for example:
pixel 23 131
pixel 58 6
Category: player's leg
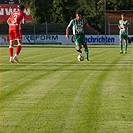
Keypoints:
pixel 11 46
pixel 19 46
pixel 18 49
pixel 120 43
pixel 83 40
pixel 77 43
pixel 19 40
pixel 125 44
pixel 78 48
pixel 86 51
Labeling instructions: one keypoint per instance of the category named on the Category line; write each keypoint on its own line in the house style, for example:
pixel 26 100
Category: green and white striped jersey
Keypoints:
pixel 124 26
pixel 77 26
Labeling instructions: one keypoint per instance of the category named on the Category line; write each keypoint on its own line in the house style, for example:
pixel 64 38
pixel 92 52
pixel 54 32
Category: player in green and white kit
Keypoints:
pixel 123 33
pixel 77 25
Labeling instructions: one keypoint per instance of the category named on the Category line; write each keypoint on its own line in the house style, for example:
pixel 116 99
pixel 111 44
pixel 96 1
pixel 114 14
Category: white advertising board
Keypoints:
pixel 61 39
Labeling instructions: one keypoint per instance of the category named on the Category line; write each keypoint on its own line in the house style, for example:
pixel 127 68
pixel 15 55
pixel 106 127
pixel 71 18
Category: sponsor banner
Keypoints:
pixel 7 9
pixel 43 39
pixel 102 39
pixel 61 39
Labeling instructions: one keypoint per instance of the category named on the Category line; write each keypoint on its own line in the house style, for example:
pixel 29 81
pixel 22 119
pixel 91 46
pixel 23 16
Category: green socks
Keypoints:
pixel 125 47
pixel 121 48
pixel 87 53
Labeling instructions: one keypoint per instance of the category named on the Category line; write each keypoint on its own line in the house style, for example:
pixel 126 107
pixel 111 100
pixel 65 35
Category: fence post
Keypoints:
pixel 105 18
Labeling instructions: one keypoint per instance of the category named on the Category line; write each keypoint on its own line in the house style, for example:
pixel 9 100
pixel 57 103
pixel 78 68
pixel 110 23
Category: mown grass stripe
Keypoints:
pixel 65 95
pixel 23 86
pixel 93 101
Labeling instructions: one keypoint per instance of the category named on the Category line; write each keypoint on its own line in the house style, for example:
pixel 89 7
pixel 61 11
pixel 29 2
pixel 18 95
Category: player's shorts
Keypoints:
pixel 14 35
pixel 79 39
pixel 123 36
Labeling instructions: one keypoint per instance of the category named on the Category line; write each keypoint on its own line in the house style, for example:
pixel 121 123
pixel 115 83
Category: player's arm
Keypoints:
pixel 68 28
pixel 24 19
pixel 67 32
pixel 128 23
pixel 86 25
pixel 9 21
pixel 89 27
pixel 119 25
pixel 23 22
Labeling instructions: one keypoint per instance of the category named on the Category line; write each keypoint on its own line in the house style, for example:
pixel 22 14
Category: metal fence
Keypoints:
pixel 46 28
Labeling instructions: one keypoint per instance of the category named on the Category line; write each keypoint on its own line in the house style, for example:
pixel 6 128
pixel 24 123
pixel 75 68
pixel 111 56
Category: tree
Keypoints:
pixel 120 5
pixel 62 11
pixel 94 13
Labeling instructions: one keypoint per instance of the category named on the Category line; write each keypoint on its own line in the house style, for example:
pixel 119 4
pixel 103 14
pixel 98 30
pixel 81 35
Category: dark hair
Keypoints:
pixel 21 7
pixel 123 14
pixel 79 12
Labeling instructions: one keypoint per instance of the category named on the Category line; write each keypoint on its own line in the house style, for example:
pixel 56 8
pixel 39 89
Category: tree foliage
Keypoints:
pixel 62 11
pixel 119 4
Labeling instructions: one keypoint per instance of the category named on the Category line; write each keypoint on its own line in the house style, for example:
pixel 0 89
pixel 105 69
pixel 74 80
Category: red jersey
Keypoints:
pixel 16 19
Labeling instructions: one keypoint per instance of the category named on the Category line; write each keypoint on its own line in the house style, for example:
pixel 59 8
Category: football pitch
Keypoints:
pixel 50 91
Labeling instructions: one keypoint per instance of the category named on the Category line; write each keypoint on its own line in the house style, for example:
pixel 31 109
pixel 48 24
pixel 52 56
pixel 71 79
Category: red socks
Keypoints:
pixel 11 51
pixel 18 49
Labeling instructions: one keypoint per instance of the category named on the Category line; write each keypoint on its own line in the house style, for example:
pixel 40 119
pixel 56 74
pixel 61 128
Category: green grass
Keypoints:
pixel 49 91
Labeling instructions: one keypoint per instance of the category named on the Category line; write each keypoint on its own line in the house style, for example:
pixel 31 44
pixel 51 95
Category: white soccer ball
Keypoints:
pixel 80 57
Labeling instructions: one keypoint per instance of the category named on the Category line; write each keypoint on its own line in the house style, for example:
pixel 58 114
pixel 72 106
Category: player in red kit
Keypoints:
pixel 15 22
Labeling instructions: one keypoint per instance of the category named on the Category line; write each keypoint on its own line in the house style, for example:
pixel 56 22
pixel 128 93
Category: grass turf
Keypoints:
pixel 50 91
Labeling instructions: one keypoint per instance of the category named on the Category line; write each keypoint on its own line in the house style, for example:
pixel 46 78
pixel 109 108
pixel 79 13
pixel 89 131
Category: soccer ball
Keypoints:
pixel 80 57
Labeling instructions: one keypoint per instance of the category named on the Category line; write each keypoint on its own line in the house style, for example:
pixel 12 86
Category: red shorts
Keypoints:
pixel 15 34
